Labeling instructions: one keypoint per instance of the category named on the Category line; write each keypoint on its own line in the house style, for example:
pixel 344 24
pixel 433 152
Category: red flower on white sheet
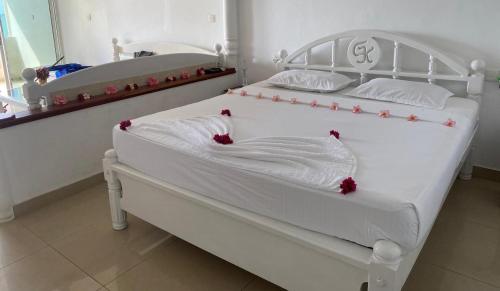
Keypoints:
pixel 259 96
pixel 243 93
pixel 314 103
pixel 348 185
pixel 356 109
pixel 334 106
pixel 224 139
pixel 125 124
pixel 60 100
pixel 412 117
pixel 293 101
pixel 276 98
pixel 335 133
pixel 384 114
pixel 226 112
pixel 111 90
pixel 450 122
pixel 152 81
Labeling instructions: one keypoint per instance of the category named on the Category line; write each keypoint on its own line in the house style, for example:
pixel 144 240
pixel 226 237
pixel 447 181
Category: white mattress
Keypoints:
pixel 404 168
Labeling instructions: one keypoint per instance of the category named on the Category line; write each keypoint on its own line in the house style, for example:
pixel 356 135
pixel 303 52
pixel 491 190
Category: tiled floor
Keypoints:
pixel 69 245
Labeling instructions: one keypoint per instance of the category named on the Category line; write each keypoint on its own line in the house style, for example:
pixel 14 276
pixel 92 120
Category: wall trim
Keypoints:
pixel 485 173
pixel 56 195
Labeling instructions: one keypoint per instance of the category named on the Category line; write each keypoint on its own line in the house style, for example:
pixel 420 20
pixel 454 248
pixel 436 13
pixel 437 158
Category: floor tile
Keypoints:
pixel 465 247
pixel 259 284
pixel 17 242
pixel 105 253
pixel 180 266
pixel 45 270
pixel 477 200
pixel 69 215
pixel 432 278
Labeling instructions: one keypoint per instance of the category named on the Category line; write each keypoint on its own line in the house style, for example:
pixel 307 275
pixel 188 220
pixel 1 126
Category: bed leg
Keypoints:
pixel 384 266
pixel 467 168
pixel 118 216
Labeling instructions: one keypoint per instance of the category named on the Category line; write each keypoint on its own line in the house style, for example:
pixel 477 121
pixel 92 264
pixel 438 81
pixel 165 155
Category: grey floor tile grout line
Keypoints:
pixel 25 256
pixel 447 269
pixel 248 284
pixel 48 245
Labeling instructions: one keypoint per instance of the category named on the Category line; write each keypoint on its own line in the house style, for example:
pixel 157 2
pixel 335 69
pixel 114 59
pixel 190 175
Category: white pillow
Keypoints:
pixel 405 92
pixel 309 80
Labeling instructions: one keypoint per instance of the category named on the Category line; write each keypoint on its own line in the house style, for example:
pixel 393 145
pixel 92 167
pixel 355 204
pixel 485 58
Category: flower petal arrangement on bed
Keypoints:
pixel 321 163
pixel 286 162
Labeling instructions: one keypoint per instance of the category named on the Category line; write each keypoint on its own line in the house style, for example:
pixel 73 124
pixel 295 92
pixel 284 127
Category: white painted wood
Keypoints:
pixel 396 62
pixel 230 10
pixel 126 51
pixel 432 69
pixel 364 53
pixel 118 216
pixel 363 56
pixel 334 54
pixel 6 203
pixel 33 92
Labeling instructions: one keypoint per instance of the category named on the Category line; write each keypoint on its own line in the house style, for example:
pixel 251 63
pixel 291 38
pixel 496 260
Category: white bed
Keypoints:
pixel 389 204
pixel 300 238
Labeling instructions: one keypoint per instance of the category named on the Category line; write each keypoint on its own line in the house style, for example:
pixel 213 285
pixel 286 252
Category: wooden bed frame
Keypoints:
pixel 126 51
pixel 289 256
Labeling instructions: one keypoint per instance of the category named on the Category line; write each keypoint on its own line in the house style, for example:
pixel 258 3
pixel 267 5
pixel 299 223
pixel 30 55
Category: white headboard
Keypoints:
pixel 364 53
pixel 126 51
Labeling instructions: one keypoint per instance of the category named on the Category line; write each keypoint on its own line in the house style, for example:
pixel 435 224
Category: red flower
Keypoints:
pixel 335 133
pixel 200 71
pixel 348 186
pixel 226 112
pixel 223 139
pixel 125 124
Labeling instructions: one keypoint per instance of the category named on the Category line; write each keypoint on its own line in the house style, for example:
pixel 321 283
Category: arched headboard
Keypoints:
pixel 364 53
pixel 126 51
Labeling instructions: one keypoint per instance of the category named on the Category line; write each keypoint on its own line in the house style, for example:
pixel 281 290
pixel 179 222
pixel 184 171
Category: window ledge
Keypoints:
pixel 55 110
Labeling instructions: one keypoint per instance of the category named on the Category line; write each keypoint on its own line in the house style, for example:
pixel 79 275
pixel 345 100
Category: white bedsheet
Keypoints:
pixel 403 168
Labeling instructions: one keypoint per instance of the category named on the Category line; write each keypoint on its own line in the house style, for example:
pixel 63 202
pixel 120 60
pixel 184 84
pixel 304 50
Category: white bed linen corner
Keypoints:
pixel 391 203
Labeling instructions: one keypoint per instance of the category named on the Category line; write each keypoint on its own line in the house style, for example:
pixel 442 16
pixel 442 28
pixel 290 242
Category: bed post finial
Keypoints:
pixel 116 50
pixel 31 90
pixel 220 55
pixel 118 216
pixel 384 265
pixel 476 82
pixel 230 8
pixel 280 58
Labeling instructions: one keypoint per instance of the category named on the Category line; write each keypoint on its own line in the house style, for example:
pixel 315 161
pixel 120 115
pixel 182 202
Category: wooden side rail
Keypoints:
pixel 54 110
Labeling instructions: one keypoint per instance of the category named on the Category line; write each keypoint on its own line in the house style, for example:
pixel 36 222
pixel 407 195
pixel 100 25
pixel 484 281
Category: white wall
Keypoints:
pixel 462 27
pixel 45 155
pixel 89 25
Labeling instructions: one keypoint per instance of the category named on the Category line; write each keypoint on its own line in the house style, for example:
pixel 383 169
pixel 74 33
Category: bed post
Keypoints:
pixel 230 8
pixel 118 216
pixel 116 50
pixel 475 88
pixel 384 266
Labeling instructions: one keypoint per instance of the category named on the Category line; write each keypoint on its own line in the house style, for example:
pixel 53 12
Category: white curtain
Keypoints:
pixel 6 204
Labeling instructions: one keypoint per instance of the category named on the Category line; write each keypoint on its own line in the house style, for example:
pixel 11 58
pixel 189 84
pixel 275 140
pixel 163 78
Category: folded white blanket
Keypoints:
pixel 320 163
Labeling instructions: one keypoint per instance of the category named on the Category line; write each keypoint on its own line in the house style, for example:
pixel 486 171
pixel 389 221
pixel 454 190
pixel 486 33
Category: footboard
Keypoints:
pixel 288 256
